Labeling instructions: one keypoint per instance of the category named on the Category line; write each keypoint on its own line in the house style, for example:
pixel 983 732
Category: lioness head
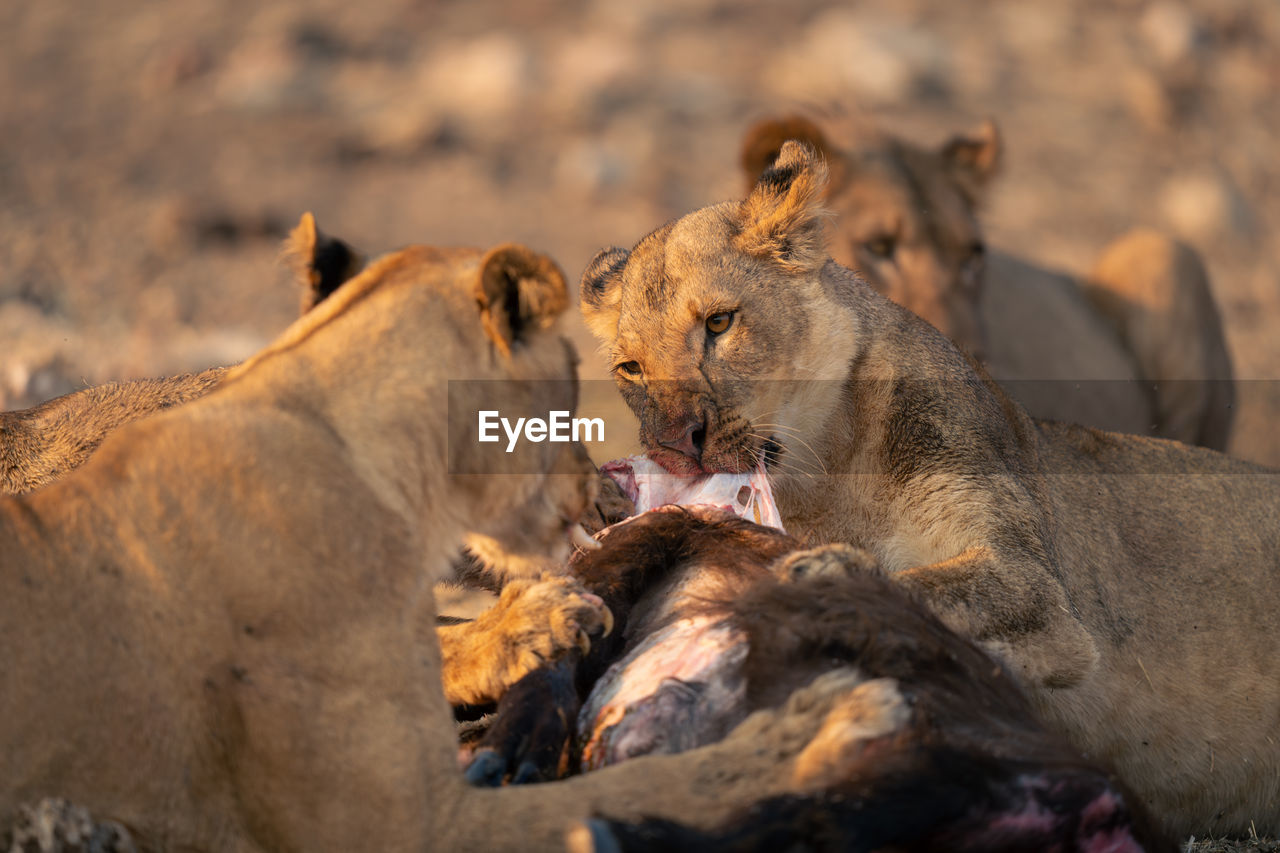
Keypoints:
pixel 532 491
pixel 723 334
pixel 418 345
pixel 905 217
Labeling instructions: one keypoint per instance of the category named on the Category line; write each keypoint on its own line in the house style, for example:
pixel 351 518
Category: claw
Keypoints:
pixel 580 538
pixel 608 622
pixel 487 770
pixel 526 774
pixel 584 642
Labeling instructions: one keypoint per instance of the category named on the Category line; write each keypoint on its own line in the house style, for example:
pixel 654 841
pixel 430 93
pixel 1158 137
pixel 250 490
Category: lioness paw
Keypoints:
pixel 827 561
pixel 542 619
pixel 532 624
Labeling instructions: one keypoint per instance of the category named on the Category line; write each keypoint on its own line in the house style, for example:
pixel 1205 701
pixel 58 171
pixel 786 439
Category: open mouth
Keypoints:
pixel 676 462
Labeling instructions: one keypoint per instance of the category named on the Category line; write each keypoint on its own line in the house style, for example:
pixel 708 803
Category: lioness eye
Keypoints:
pixel 881 247
pixel 718 324
pixel 630 368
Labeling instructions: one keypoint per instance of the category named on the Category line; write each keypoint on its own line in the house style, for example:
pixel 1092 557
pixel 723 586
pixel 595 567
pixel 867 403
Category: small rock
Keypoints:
pixel 842 53
pixel 1171 33
pixel 174 66
pixel 481 79
pixel 1206 206
pixel 589 166
pixel 1149 99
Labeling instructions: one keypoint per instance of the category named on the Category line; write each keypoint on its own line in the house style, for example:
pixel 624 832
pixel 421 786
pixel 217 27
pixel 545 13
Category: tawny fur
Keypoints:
pixel 1131 583
pixel 1136 346
pixel 481 658
pixel 219 629
pixel 40 444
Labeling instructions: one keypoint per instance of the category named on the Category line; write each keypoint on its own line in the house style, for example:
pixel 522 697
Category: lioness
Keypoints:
pixel 218 631
pixel 481 657
pixel 1135 346
pixel 1132 583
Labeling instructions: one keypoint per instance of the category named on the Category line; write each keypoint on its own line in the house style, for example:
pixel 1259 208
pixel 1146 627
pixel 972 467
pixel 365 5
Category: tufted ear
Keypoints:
pixel 763 142
pixel 782 220
pixel 973 159
pixel 601 291
pixel 518 291
pixel 320 263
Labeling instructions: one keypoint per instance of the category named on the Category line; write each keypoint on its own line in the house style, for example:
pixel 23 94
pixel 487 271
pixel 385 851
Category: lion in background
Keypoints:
pixel 1131 584
pixel 1135 346
pixel 219 629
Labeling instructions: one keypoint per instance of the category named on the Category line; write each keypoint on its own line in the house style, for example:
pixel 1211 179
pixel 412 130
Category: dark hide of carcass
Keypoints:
pixel 935 748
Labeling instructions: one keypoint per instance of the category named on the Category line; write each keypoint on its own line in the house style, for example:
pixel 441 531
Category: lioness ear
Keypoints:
pixel 518 291
pixel 783 219
pixel 973 159
pixel 763 143
pixel 320 263
pixel 601 291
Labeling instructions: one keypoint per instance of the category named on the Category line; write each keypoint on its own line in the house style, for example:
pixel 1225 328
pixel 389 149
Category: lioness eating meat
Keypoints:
pixel 1135 346
pixel 1132 584
pixel 218 631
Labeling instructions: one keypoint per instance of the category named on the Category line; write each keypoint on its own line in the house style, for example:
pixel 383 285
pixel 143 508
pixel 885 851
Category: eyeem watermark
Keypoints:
pixel 558 426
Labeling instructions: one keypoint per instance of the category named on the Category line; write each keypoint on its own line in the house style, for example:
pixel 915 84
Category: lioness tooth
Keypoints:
pixel 580 538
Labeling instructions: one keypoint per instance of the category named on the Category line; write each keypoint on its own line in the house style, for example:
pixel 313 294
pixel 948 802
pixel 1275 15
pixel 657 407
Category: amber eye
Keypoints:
pixel 881 247
pixel 718 324
pixel 629 368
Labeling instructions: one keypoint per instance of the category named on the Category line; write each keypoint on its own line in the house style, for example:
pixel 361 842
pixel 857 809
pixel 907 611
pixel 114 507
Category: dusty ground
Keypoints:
pixel 154 152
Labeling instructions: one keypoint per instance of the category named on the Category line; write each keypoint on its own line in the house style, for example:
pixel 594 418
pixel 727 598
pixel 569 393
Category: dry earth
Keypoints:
pixel 154 152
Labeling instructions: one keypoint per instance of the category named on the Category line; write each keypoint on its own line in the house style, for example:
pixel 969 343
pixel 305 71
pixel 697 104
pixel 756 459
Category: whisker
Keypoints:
pixel 796 465
pixel 817 458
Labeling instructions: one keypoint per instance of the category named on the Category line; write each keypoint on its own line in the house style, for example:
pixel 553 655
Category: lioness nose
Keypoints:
pixel 686 438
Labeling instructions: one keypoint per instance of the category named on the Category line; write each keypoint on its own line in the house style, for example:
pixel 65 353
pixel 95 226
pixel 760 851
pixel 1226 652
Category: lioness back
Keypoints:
pixel 40 444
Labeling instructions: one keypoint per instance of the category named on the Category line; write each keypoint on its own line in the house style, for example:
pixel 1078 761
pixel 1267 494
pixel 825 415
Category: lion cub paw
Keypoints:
pixel 532 624
pixel 827 561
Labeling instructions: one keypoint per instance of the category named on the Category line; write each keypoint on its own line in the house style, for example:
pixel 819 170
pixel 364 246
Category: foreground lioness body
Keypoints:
pixel 1132 583
pixel 218 631
pixel 1137 345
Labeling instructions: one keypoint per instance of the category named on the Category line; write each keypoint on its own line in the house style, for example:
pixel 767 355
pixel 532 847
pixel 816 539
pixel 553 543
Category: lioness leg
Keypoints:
pixel 1019 614
pixel 1155 292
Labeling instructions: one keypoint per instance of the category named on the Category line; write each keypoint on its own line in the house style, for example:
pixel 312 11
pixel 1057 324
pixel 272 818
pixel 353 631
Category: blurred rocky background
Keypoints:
pixel 153 154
